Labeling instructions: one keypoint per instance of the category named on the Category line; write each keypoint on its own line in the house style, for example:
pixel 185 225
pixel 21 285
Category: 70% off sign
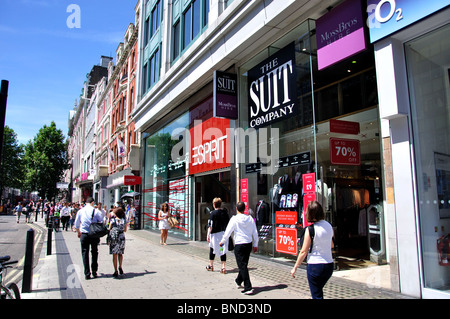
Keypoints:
pixel 345 151
pixel 286 241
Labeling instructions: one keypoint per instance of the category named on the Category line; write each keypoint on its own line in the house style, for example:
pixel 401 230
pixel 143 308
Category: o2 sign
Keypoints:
pixel 382 17
pixel 388 16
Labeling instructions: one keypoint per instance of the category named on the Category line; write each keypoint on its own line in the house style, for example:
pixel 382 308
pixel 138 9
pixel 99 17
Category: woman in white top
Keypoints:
pixel 164 226
pixel 320 259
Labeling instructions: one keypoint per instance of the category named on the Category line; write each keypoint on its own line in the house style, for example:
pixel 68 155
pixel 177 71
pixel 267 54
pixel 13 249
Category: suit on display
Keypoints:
pixel 262 213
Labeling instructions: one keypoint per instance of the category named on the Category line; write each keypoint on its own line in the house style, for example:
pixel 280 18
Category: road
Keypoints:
pixel 13 238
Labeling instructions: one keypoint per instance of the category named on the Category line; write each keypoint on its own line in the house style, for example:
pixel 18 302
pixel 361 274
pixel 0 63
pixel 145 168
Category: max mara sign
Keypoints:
pixel 272 89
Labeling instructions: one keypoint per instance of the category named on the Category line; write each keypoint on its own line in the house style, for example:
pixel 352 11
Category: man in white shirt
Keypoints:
pixel 85 217
pixel 65 215
pixel 245 240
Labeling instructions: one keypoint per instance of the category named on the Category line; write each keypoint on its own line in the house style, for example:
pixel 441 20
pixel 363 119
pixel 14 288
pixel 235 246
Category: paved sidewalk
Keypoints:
pixel 175 271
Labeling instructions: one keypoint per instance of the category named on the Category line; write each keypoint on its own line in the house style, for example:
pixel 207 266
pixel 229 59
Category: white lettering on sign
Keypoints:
pixel 212 151
pixel 272 78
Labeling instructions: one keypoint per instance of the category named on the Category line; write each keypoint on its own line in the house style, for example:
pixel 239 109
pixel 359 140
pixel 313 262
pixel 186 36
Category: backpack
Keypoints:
pixel 311 234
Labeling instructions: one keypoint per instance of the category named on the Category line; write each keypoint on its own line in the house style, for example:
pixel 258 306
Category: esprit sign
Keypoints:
pixel 272 89
pixel 209 145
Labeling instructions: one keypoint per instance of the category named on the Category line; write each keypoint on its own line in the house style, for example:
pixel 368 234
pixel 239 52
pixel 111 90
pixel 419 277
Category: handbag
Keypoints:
pixel 172 221
pixel 97 230
pixel 230 244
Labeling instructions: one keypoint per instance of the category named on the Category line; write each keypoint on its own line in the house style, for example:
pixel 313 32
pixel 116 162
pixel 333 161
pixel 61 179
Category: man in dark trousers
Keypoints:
pixel 85 217
pixel 245 240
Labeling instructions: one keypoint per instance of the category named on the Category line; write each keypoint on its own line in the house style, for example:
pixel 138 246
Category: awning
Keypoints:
pixel 126 180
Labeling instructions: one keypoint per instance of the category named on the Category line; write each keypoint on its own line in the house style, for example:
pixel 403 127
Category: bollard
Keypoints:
pixel 27 280
pixel 49 241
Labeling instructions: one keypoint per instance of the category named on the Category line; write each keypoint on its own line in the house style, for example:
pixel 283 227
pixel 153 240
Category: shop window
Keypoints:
pixel 429 84
pixel 348 188
pixel 165 180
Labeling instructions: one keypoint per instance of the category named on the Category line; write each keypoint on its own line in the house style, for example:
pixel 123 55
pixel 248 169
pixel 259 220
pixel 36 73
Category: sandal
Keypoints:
pixel 223 271
pixel 210 268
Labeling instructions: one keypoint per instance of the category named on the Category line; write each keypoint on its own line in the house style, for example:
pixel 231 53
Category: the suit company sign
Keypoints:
pixel 272 89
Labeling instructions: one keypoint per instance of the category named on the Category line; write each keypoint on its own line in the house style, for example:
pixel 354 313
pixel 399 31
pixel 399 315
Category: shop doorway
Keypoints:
pixel 207 187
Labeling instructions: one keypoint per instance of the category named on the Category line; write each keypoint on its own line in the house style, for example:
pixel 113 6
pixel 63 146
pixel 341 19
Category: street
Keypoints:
pixel 13 237
pixel 175 272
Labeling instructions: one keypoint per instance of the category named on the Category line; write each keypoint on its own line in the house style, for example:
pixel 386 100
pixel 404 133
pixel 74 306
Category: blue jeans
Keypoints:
pixel 318 275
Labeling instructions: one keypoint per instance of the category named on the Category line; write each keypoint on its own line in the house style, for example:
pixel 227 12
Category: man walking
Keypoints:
pixel 245 240
pixel 85 216
pixel 65 215
pixel 18 210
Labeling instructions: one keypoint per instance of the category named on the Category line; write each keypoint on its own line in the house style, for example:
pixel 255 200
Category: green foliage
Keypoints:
pixel 45 161
pixel 12 153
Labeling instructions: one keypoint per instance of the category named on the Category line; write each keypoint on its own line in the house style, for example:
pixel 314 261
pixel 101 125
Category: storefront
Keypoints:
pixel 118 184
pixel 187 180
pixel 321 128
pixel 412 64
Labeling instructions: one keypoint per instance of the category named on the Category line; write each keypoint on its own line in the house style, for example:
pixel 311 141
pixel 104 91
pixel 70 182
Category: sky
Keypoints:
pixel 46 49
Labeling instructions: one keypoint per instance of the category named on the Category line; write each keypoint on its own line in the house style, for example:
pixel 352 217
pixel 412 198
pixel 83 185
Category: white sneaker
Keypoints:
pixel 247 292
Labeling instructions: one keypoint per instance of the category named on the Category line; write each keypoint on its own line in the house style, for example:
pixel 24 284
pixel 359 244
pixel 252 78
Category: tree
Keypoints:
pixel 45 161
pixel 11 163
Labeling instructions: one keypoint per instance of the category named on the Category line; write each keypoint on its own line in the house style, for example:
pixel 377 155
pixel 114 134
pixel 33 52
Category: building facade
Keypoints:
pixel 306 115
pixel 103 144
pixel 412 65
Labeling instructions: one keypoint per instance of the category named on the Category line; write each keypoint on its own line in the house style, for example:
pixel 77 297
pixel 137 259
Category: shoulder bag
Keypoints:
pixel 96 230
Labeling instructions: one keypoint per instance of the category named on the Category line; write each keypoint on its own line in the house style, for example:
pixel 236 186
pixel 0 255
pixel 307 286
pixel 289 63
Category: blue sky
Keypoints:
pixel 46 62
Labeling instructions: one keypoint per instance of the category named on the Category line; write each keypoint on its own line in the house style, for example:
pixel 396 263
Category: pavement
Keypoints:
pixel 177 272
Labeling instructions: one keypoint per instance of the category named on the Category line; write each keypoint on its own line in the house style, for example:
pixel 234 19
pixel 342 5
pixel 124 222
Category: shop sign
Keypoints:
pixel 309 182
pixel 309 190
pixel 294 160
pixel 345 151
pixel 286 240
pixel 286 217
pixel 272 89
pixel 244 193
pixel 340 34
pixel 62 185
pixel 225 95
pixel 209 145
pixel 388 16
pixel 344 127
pixel 132 180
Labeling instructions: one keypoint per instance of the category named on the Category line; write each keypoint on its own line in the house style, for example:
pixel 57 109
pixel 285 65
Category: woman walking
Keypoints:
pixel 320 259
pixel 117 228
pixel 164 226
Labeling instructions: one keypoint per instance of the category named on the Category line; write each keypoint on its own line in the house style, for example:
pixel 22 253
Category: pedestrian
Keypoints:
pixel 18 210
pixel 245 240
pixel 65 216
pixel 117 228
pixel 319 266
pixel 217 223
pixel 85 216
pixel 27 211
pixel 73 215
pixel 164 226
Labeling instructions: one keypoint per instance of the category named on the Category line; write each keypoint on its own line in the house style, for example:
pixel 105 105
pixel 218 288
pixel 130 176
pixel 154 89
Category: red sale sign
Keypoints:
pixel 307 198
pixel 345 151
pixel 286 217
pixel 309 182
pixel 286 240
